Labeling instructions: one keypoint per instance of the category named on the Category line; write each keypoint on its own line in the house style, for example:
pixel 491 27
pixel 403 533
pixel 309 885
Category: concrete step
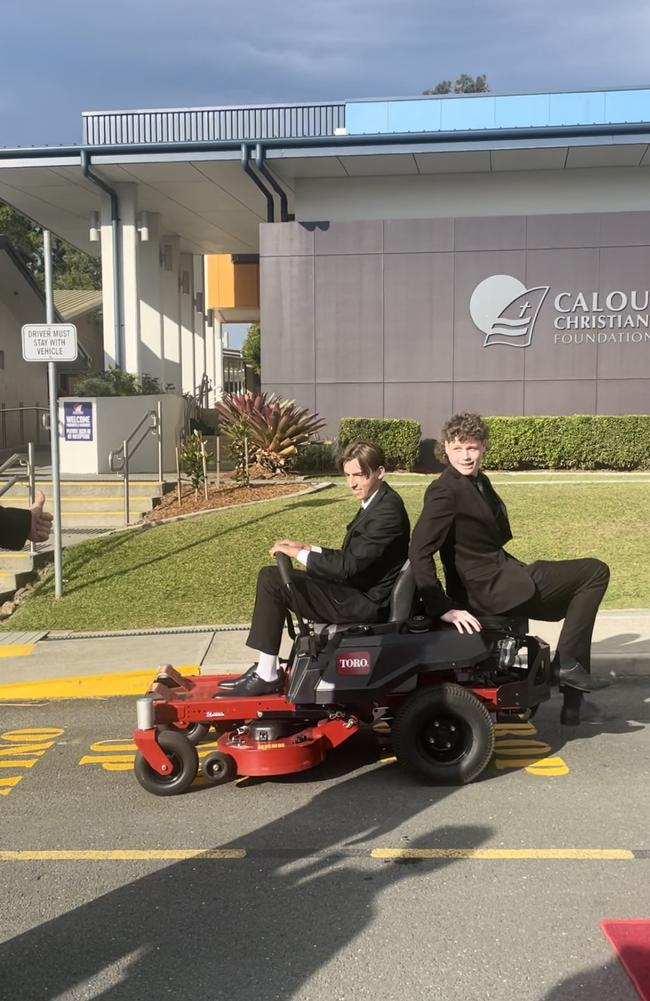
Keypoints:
pixel 88 488
pixel 15 562
pixel 10 582
pixel 96 519
pixel 78 505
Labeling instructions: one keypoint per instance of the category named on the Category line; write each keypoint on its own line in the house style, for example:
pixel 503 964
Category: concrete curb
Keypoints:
pixel 135 683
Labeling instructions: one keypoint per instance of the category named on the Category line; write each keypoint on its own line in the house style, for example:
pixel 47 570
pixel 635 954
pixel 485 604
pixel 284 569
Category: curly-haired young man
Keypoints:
pixel 465 520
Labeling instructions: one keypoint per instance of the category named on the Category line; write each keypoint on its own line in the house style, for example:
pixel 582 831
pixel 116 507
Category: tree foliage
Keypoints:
pixel 115 382
pixel 464 84
pixel 71 268
pixel 251 348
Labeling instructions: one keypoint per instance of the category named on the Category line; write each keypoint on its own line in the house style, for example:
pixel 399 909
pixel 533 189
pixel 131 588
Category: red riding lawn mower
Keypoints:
pixel 439 691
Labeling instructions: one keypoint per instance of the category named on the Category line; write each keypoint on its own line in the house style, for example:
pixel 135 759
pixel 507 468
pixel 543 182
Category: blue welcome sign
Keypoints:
pixel 78 421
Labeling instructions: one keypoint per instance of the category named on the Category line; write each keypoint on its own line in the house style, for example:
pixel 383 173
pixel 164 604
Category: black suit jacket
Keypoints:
pixel 374 549
pixel 14 527
pixel 469 532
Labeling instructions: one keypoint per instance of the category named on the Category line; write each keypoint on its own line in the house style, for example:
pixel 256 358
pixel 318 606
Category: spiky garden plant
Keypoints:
pixel 277 430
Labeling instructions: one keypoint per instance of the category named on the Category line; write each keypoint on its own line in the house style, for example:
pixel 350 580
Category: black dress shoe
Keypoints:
pixel 586 713
pixel 250 685
pixel 231 682
pixel 577 677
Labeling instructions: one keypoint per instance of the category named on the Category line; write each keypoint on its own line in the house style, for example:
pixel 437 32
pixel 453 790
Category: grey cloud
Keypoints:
pixel 70 57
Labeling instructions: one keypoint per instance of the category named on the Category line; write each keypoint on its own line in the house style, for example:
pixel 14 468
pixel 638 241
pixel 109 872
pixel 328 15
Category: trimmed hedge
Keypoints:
pixel 581 441
pixel 399 438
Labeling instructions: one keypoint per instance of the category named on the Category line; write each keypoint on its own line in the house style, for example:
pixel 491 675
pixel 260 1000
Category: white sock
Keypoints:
pixel 267 667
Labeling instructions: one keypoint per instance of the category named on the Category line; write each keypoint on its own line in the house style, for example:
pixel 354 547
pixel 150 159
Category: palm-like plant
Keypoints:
pixel 276 430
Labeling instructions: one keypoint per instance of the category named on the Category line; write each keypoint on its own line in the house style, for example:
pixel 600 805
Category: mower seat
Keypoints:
pixel 401 602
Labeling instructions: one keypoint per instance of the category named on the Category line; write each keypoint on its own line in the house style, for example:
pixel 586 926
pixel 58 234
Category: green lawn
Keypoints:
pixel 203 570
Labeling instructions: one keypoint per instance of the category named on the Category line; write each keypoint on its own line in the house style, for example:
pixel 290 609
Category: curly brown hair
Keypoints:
pixel 462 427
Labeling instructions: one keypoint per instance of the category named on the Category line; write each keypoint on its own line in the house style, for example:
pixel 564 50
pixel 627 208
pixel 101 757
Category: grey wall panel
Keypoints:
pixel 492 398
pixel 623 396
pixel 287 307
pixel 471 360
pixel 349 320
pixel 389 331
pixel 334 401
pixel 562 397
pixel 365 237
pixel 490 233
pixel 554 231
pixel 286 239
pixel 408 236
pixel 430 403
pixel 418 309
pixel 626 352
pixel 304 393
pixel 625 229
pixel 548 357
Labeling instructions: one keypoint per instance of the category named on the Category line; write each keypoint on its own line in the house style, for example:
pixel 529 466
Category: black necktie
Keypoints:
pixel 488 495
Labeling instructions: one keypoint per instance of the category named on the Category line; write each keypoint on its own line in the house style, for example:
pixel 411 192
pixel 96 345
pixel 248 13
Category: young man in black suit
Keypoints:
pixel 466 521
pixel 351 584
pixel 17 525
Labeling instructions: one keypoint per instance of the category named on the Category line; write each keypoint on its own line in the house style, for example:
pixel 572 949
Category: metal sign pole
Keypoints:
pixel 54 421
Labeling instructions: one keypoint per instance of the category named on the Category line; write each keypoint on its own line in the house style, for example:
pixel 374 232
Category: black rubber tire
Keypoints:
pixel 185 762
pixel 443 734
pixel 196 733
pixel 219 768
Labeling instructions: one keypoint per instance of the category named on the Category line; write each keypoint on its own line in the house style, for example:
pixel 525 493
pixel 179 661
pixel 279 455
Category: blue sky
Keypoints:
pixel 60 59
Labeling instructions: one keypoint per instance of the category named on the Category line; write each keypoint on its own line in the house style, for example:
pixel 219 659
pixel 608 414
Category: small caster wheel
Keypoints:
pixel 185 763
pixel 219 768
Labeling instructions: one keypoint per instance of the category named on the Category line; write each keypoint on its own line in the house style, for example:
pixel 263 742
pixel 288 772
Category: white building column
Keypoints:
pixel 186 289
pixel 218 336
pixel 170 301
pixel 198 300
pixel 152 358
pixel 111 349
pixel 127 194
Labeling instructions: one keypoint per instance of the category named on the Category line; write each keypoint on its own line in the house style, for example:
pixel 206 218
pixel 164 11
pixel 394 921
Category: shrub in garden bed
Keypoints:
pixel 579 441
pixel 398 437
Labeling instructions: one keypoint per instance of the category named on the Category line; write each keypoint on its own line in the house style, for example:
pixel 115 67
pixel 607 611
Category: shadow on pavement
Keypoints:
pixel 625 643
pixel 596 984
pixel 239 929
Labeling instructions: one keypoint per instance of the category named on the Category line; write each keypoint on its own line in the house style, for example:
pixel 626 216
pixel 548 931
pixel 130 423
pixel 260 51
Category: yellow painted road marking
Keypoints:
pixel 118 755
pixel 34 741
pixel 16 649
pixel 595 854
pixel 180 854
pixel 122 854
pixel 16 749
pixel 515 747
pixel 87 686
pixel 32 733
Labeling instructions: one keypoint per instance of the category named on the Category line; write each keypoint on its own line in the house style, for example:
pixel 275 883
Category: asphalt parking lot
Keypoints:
pixel 350 881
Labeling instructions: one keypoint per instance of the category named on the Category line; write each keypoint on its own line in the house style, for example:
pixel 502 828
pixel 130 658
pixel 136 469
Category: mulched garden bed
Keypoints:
pixel 226 494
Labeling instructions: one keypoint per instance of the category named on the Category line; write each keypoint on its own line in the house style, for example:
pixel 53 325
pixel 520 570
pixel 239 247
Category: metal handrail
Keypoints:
pixel 118 459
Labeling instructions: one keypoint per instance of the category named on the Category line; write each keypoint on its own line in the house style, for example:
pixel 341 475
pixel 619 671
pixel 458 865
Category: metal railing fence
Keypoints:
pixel 119 459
